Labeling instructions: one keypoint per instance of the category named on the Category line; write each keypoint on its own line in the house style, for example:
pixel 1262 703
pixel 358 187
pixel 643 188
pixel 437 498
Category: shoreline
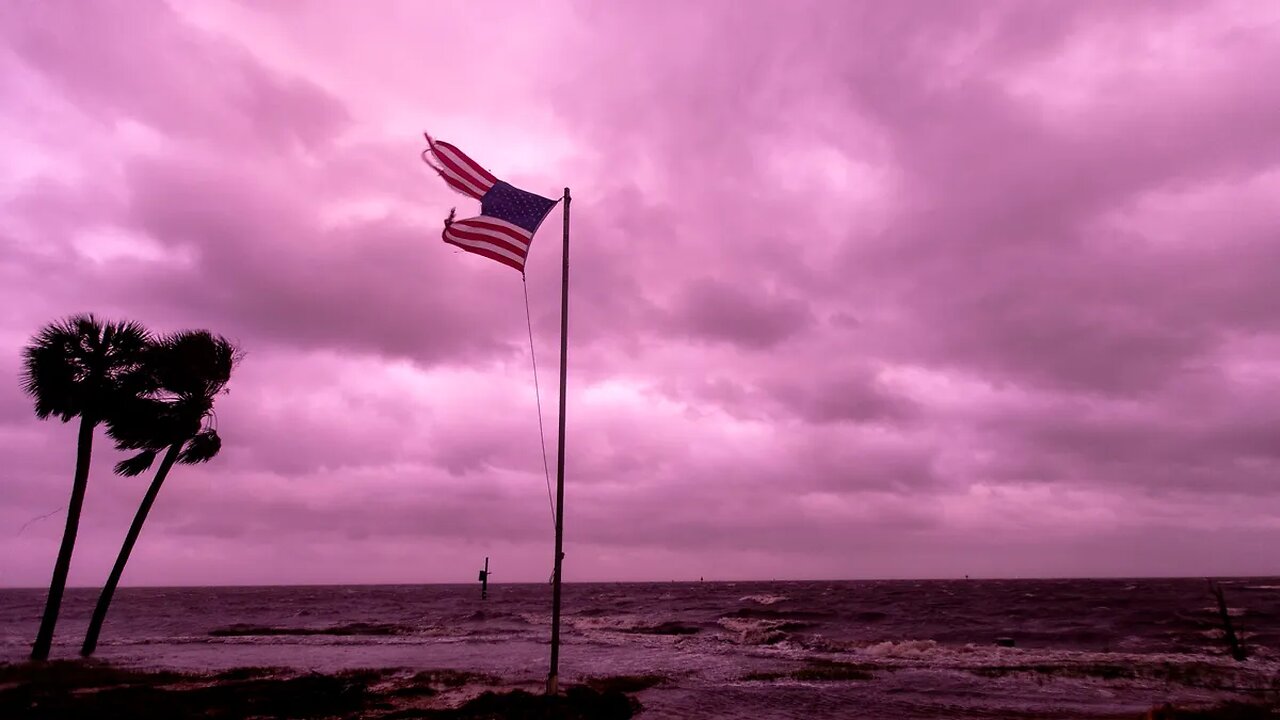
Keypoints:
pixel 65 689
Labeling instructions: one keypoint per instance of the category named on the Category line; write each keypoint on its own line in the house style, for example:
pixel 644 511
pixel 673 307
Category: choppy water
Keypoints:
pixel 1083 648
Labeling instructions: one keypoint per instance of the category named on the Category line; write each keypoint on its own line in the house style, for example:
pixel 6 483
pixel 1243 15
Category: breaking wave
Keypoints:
pixel 764 599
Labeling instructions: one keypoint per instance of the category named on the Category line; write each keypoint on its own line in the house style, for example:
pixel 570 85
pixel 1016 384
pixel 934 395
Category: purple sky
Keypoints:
pixel 861 289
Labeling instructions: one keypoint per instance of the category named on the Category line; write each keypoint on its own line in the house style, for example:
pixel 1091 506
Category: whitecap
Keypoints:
pixel 763 599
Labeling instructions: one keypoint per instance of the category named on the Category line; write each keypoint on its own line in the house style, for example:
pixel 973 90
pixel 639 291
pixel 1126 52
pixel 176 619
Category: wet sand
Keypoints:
pixel 66 690
pixel 62 690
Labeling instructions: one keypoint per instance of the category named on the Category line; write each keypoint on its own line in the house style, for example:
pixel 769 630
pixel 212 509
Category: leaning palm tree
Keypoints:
pixel 190 370
pixel 80 367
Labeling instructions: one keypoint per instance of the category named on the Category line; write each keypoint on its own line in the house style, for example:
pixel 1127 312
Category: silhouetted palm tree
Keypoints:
pixel 80 367
pixel 190 370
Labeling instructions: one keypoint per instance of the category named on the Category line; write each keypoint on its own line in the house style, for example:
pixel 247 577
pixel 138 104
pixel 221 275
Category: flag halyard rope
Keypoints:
pixel 537 393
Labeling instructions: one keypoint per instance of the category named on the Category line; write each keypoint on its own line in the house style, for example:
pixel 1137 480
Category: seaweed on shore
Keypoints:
pixel 67 690
pixel 1102 671
pixel 453 678
pixel 251 672
pixel 80 674
pixel 667 628
pixel 1202 675
pixel 427 683
pixel 818 671
pixel 337 630
pixel 1227 711
pixel 577 703
pixel 623 683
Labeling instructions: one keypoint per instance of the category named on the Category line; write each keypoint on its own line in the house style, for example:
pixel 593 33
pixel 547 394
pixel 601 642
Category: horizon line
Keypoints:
pixel 725 581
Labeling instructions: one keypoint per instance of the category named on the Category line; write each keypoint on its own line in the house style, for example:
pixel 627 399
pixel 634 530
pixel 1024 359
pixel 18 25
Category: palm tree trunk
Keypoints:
pixel 109 590
pixel 84 449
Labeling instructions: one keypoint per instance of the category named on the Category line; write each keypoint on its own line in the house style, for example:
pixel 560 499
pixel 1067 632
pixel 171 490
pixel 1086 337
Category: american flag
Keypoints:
pixel 508 216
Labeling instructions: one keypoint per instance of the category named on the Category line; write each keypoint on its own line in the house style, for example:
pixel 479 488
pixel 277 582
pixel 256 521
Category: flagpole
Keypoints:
pixel 553 677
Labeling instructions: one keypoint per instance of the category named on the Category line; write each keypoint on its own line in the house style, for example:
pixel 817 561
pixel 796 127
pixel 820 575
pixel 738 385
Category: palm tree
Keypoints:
pixel 80 367
pixel 190 370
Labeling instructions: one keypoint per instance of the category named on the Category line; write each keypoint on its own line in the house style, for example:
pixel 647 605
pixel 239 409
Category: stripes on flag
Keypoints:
pixel 509 216
pixel 492 238
pixel 461 172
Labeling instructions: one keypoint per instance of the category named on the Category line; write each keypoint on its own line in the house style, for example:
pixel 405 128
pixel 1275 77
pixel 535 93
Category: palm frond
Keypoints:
pixel 195 363
pixel 141 422
pixel 81 366
pixel 201 448
pixel 54 366
pixel 137 464
pixel 127 348
pixel 186 372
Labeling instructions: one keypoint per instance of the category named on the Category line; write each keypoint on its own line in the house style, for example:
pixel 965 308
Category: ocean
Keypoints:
pixel 869 649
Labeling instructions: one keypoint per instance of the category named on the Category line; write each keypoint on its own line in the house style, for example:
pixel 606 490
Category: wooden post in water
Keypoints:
pixel 484 580
pixel 1234 643
pixel 553 677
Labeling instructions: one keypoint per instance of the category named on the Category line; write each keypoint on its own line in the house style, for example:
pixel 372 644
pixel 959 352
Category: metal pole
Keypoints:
pixel 553 677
